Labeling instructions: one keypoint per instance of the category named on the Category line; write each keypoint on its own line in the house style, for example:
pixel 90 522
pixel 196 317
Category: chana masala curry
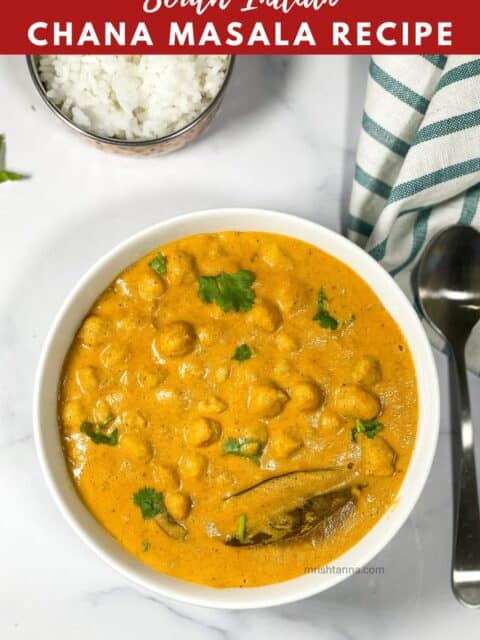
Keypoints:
pixel 238 408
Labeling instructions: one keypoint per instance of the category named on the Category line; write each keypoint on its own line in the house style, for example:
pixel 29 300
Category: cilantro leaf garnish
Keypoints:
pixel 243 352
pixel 369 427
pixel 159 264
pixel 323 316
pixel 250 448
pixel 149 501
pixel 95 431
pixel 230 291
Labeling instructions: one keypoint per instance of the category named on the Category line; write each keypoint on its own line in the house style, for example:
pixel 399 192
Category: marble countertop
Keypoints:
pixel 285 139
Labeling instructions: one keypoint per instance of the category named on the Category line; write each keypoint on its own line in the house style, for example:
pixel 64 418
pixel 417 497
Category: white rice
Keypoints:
pixel 132 97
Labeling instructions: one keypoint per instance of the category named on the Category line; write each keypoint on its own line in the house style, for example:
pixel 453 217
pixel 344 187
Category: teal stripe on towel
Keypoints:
pixel 462 72
pixel 381 135
pixel 470 205
pixel 438 61
pixel 420 228
pixel 374 185
pixel 359 225
pixel 397 89
pixel 451 172
pixel 448 126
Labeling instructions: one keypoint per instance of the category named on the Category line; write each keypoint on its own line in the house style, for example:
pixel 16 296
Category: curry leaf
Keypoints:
pixel 230 291
pixel 323 316
pixel 369 427
pixel 243 352
pixel 150 502
pixel 159 264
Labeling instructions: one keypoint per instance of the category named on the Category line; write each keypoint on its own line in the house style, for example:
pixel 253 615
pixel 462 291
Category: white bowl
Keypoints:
pixel 76 307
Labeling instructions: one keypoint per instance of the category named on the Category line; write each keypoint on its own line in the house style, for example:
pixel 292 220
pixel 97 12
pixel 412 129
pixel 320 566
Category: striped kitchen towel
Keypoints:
pixel 418 160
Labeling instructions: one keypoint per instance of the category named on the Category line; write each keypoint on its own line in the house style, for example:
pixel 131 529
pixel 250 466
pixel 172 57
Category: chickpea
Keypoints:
pixel 114 355
pixel 192 465
pixel 330 421
pixel 275 257
pixel 94 331
pixel 151 287
pixel 258 432
pixel 175 339
pixel 87 380
pixel 212 405
pixel 151 378
pixel 292 296
pixel 166 478
pixel 191 371
pixel 265 315
pixel 202 432
pixel 178 505
pixel 221 374
pixel 283 369
pixel 181 268
pixel 378 457
pixel 136 448
pixel 367 371
pixel 115 400
pixel 286 343
pixel 133 420
pixel 353 401
pixel 73 414
pixel 209 335
pixel 306 396
pixel 267 400
pixel 283 445
pixel 101 411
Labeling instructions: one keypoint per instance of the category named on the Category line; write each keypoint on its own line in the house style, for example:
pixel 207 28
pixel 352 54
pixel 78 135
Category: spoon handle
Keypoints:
pixel 466 550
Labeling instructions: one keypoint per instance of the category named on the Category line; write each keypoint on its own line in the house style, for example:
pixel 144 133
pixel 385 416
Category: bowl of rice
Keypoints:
pixel 136 105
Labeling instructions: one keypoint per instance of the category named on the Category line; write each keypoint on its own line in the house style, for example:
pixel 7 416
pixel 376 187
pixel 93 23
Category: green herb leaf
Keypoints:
pixel 159 264
pixel 95 432
pixel 243 448
pixel 230 291
pixel 9 176
pixel 243 352
pixel 323 316
pixel 369 427
pixel 150 502
pixel 241 527
pixel 6 176
pixel 145 546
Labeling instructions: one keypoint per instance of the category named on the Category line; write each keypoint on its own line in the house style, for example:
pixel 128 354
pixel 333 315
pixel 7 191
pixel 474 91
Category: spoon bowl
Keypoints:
pixel 449 282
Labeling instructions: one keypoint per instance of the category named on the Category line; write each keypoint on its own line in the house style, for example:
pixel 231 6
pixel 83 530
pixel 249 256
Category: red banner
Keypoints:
pixel 239 26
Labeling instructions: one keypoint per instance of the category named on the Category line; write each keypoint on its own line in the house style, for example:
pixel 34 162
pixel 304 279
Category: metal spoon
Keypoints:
pixel 448 290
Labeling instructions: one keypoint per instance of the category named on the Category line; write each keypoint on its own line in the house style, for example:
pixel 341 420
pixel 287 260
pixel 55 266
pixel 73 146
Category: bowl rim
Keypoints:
pixel 117 142
pixel 367 548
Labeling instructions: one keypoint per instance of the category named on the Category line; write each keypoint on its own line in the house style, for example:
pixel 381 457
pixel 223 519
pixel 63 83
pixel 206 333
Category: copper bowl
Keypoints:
pixel 154 146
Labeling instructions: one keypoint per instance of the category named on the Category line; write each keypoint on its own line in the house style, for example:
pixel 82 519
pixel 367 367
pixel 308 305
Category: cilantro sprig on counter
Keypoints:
pixel 230 291
pixel 5 175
